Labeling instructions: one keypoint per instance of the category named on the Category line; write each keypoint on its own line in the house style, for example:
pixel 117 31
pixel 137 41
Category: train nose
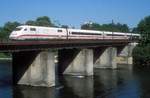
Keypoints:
pixel 13 35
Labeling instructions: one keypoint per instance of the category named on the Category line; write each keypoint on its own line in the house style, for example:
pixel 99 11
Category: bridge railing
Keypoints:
pixel 5 40
pixel 111 38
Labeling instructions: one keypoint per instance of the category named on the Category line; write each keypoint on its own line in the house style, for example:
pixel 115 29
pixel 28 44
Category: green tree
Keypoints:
pixel 141 54
pixel 41 21
pixel 5 32
pixel 106 27
pixel 44 21
pixel 7 29
pixel 135 30
pixel 91 26
pixel 64 26
pixel 31 22
pixel 1 33
pixel 144 29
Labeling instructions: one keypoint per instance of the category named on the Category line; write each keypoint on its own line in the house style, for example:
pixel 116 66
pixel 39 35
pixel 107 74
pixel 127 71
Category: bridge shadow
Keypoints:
pixel 98 52
pixel 120 48
pixel 65 57
pixel 21 61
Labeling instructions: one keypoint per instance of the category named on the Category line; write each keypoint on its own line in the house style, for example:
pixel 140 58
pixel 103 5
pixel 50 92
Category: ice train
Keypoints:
pixel 26 32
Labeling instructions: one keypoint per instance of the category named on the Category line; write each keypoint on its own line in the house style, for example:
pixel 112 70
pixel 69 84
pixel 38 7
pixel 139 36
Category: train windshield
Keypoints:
pixel 17 29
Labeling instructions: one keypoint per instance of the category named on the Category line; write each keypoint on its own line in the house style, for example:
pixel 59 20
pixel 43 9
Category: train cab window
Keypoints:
pixel 25 29
pixel 17 29
pixel 32 29
pixel 59 30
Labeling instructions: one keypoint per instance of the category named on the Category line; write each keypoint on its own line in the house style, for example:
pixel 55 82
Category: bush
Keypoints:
pixel 141 56
pixel 5 55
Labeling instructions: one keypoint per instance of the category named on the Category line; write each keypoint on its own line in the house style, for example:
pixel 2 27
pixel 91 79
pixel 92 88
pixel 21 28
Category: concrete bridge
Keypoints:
pixel 34 61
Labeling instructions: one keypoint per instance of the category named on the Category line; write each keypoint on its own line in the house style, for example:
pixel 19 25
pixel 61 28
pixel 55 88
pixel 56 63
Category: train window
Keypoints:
pixel 17 29
pixel 32 29
pixel 114 35
pixel 86 33
pixel 59 30
pixel 25 29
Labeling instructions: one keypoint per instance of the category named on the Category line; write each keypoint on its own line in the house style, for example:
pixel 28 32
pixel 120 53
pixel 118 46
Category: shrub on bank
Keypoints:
pixel 5 55
pixel 141 56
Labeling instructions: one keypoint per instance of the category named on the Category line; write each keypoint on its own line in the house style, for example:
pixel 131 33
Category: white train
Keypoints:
pixel 26 32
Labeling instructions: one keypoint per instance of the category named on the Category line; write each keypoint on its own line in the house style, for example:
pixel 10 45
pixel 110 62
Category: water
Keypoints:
pixel 5 80
pixel 121 83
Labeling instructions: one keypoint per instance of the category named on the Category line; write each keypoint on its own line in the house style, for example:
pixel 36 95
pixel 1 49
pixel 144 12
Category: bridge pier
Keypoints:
pixel 80 62
pixel 107 59
pixel 125 56
pixel 34 68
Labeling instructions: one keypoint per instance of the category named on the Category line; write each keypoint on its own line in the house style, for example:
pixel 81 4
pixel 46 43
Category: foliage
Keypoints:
pixel 144 29
pixel 7 29
pixel 135 30
pixel 41 21
pixel 5 55
pixel 4 34
pixel 106 27
pixel 64 26
pixel 31 22
pixel 141 54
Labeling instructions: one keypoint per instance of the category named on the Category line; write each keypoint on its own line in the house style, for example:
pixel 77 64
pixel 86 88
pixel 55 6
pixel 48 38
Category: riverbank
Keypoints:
pixel 5 58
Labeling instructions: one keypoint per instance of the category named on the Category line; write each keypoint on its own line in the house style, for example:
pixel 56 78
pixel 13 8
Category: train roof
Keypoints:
pixel 26 26
pixel 84 31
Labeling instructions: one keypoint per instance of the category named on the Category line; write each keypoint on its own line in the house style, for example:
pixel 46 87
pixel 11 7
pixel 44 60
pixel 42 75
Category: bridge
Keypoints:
pixel 33 61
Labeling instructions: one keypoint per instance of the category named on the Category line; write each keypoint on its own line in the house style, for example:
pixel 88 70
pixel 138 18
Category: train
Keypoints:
pixel 26 32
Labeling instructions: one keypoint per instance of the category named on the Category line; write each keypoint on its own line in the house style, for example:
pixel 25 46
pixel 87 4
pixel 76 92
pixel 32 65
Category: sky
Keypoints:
pixel 75 12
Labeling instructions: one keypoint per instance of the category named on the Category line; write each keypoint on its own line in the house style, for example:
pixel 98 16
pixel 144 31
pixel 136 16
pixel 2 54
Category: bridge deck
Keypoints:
pixel 13 46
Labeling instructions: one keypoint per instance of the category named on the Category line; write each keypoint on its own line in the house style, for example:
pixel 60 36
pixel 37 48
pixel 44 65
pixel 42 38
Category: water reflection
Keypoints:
pixel 33 92
pixel 81 86
pixel 143 76
pixel 72 87
pixel 115 84
pixel 120 83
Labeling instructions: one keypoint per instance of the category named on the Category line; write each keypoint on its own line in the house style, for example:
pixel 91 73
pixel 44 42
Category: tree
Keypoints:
pixel 7 29
pixel 40 21
pixel 144 29
pixel 106 27
pixel 141 54
pixel 90 26
pixel 135 30
pixel 31 22
pixel 44 21
pixel 1 33
pixel 64 26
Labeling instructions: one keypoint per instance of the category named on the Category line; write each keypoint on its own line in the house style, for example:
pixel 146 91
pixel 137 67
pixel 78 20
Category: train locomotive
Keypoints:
pixel 26 32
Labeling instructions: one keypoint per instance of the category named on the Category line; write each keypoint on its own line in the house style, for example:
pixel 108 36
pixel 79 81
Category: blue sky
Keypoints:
pixel 75 12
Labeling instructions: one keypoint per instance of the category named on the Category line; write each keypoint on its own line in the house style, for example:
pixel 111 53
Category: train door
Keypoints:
pixel 33 34
pixel 63 33
pixel 25 31
pixel 104 35
pixel 67 33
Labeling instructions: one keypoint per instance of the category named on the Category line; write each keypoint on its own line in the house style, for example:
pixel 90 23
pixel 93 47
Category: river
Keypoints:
pixel 106 83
